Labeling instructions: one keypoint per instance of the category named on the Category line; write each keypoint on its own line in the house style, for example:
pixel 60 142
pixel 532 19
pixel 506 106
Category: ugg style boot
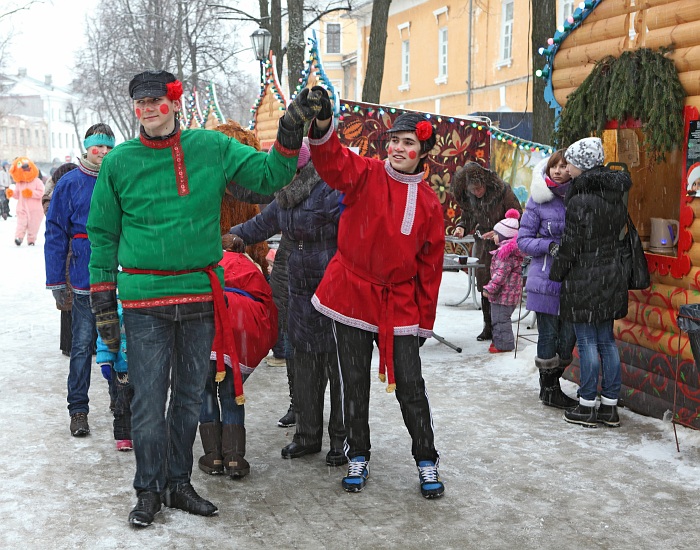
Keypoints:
pixel 551 393
pixel 487 333
pixel 212 462
pixel 233 449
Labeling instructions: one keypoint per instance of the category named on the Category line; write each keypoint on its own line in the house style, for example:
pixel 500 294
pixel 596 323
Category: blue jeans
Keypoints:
pixel 283 348
pixel 555 336
pixel 596 345
pixel 230 412
pixel 169 348
pixel 84 335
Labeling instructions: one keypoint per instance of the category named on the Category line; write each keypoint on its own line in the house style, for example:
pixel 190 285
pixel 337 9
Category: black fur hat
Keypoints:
pixel 150 84
pixel 408 122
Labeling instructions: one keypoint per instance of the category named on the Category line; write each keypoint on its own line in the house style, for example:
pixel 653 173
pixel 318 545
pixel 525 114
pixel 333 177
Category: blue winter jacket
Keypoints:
pixel 307 212
pixel 541 225
pixel 65 225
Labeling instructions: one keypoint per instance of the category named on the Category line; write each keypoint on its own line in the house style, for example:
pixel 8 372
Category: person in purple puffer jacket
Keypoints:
pixel 541 229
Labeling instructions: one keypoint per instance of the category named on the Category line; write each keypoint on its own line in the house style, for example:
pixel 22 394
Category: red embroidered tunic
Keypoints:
pixel 386 274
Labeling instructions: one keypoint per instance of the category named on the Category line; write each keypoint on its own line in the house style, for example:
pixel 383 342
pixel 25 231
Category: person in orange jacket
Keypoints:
pixel 28 191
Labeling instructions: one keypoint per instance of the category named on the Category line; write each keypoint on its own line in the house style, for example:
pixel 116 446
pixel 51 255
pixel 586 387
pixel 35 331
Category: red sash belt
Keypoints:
pixel 224 343
pixel 80 236
pixel 386 323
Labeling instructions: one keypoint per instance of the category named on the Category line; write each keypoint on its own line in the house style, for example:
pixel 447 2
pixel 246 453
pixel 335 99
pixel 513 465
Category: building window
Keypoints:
pixel 332 38
pixel 567 9
pixel 442 53
pixel 36 137
pixel 405 64
pixel 43 138
pixel 507 32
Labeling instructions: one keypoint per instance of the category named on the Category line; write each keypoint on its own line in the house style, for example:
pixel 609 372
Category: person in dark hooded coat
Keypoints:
pixel 307 212
pixel 594 287
pixel 484 199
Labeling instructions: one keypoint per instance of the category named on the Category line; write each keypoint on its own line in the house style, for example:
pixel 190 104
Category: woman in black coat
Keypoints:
pixel 594 287
pixel 307 212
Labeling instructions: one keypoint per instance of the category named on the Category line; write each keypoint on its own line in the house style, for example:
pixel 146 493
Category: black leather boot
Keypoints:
pixel 486 334
pixel 289 419
pixel 184 497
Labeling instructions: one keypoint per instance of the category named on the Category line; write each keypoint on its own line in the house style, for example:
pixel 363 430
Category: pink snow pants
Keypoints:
pixel 29 216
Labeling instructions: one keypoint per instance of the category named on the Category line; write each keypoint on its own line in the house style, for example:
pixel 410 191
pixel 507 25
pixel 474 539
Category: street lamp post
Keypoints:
pixel 261 39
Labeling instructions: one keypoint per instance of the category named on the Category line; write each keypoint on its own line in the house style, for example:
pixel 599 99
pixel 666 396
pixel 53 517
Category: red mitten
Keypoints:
pixel 9 193
pixel 27 193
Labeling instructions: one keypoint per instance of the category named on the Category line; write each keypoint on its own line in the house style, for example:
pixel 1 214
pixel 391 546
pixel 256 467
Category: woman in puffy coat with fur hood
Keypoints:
pixel 541 229
pixel 484 199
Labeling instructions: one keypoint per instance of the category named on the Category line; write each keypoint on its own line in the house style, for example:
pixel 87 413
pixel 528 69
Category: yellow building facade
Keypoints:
pixel 452 58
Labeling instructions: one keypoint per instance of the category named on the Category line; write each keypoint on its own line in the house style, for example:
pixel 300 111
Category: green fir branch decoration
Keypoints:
pixel 641 85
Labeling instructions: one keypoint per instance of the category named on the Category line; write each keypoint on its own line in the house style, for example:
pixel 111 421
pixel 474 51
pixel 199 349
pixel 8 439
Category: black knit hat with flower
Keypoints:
pixel 414 122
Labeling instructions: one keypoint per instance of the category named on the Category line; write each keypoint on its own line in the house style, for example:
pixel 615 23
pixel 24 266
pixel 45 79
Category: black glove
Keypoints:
pixel 326 111
pixel 104 306
pixel 303 109
pixel 553 249
pixel 61 296
pixel 421 341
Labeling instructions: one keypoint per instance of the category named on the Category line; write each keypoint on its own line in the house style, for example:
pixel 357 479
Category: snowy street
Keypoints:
pixel 516 475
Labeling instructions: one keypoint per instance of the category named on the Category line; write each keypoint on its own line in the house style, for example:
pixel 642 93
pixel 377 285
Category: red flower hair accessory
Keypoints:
pixel 424 130
pixel 174 90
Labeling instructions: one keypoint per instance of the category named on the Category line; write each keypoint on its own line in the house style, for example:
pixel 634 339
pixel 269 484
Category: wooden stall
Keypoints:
pixel 653 350
pixel 363 126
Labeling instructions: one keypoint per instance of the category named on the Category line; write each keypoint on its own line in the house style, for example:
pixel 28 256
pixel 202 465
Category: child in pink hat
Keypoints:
pixel 504 289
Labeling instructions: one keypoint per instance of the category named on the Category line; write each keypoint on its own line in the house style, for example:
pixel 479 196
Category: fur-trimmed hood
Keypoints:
pixel 299 188
pixel 508 248
pixel 609 184
pixel 475 173
pixel 539 192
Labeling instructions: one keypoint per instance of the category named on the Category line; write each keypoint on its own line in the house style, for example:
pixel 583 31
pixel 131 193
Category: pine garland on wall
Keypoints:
pixel 641 85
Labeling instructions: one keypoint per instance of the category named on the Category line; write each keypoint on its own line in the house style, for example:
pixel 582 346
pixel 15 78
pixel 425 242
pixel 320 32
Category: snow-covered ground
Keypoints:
pixel 515 472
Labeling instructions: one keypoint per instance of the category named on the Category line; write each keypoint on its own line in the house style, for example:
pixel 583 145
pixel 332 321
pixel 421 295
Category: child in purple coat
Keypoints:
pixel 504 289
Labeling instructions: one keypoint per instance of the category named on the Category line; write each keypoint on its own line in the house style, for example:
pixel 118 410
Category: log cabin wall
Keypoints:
pixel 651 345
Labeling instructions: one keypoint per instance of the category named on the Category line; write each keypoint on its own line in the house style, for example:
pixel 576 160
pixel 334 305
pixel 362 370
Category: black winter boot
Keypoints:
pixel 585 416
pixel 607 414
pixel 551 393
pixel 147 506
pixel 486 334
pixel 184 497
pixel 212 461
pixel 289 419
pixel 233 449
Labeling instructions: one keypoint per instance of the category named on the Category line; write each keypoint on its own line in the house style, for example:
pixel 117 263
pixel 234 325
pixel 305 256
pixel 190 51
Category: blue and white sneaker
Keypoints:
pixel 358 470
pixel 430 484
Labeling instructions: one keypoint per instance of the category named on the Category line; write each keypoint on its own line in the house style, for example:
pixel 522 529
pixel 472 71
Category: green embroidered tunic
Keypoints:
pixel 156 206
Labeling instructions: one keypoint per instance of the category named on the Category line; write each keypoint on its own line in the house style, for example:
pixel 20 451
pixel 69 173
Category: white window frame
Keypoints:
pixel 442 56
pixel 405 65
pixel 340 36
pixel 506 44
pixel 567 8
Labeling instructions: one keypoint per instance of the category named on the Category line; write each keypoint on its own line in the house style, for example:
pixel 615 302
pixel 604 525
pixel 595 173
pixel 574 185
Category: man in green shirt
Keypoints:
pixel 155 212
